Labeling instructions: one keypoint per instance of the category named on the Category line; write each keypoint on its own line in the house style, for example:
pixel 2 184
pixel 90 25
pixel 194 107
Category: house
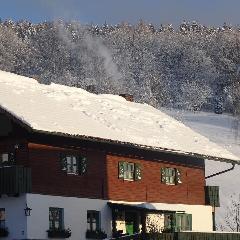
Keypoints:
pixel 78 165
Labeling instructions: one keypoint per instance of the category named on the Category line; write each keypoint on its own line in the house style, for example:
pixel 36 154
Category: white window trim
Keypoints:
pixel 129 172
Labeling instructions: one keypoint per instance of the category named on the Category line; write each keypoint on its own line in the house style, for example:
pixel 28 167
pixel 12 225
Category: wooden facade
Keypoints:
pixel 101 178
pixel 42 151
pixel 150 188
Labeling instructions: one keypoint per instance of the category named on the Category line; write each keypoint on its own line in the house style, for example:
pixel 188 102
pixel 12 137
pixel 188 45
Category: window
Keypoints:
pixel 74 164
pixel 168 221
pixel 2 217
pixel 171 176
pixel 93 220
pixel 129 171
pixel 56 218
pixel 7 159
pixel 183 222
pixel 178 222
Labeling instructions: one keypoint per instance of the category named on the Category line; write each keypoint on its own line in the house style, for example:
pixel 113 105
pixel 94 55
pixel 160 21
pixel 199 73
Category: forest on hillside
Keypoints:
pixel 190 67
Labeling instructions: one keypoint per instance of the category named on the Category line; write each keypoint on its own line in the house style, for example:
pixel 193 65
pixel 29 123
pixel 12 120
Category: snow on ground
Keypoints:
pixel 74 111
pixel 225 130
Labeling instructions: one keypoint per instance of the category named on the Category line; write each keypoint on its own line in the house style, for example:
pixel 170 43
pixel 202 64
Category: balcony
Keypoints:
pixel 15 180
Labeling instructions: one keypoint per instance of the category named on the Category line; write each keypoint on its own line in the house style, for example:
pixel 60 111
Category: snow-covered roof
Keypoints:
pixel 74 111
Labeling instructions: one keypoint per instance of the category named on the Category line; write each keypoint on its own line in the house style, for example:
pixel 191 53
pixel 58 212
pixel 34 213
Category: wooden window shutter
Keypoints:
pixel 63 162
pixel 163 175
pixel 11 158
pixel 121 170
pixel 188 222
pixel 177 222
pixel 137 172
pixel 178 176
pixel 82 165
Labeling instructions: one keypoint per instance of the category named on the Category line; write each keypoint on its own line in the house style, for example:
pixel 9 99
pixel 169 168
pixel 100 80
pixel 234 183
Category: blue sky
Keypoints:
pixel 209 12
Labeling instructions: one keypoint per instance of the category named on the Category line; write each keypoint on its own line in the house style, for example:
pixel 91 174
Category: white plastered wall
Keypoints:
pixel 16 221
pixel 75 215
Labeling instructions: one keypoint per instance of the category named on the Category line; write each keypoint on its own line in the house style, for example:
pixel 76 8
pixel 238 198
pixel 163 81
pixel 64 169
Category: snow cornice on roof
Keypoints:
pixel 73 112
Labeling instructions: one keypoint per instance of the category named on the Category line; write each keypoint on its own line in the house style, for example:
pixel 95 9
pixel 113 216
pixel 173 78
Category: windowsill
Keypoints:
pixel 128 180
pixel 8 165
pixel 75 174
pixel 171 184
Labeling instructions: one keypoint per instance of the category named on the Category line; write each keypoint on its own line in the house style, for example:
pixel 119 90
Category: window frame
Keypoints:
pixel 11 160
pixel 90 221
pixel 2 221
pixel 183 222
pixel 72 168
pixel 170 176
pixel 170 179
pixel 73 164
pixel 129 171
pixel 60 219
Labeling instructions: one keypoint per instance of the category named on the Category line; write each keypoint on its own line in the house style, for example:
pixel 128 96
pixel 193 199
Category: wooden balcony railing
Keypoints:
pixel 15 180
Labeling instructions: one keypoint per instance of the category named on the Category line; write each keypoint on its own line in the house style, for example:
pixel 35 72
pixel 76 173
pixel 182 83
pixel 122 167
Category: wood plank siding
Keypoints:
pixel 150 188
pixel 42 151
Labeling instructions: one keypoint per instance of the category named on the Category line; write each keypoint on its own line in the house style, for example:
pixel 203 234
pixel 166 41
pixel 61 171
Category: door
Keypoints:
pixel 131 222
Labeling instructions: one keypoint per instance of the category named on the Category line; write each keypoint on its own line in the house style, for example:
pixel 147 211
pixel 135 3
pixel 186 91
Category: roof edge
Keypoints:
pixel 142 147
pixel 110 141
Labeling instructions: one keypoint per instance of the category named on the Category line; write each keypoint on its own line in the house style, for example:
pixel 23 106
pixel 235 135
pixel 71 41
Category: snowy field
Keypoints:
pixel 225 131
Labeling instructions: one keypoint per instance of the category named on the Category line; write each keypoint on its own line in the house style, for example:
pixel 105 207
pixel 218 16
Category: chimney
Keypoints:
pixel 128 97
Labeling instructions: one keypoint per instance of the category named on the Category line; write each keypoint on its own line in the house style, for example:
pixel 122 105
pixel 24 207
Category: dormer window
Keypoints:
pixel 7 159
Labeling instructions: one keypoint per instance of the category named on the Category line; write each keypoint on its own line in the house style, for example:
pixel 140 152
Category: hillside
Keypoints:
pixel 190 67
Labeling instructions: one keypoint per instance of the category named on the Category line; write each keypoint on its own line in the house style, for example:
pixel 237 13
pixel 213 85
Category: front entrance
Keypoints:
pixel 131 222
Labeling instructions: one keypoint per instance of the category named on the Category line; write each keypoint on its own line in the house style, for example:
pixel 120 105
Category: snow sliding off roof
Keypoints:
pixel 56 108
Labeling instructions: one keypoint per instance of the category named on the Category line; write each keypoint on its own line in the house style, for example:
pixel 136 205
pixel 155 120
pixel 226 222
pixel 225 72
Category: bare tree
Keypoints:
pixel 232 218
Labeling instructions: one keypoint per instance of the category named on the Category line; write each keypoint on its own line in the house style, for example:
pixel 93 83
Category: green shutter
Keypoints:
pixel 137 172
pixel 61 220
pixel 178 176
pixel 212 196
pixel 11 158
pixel 178 222
pixel 163 175
pixel 63 162
pixel 188 221
pixel 121 170
pixel 82 165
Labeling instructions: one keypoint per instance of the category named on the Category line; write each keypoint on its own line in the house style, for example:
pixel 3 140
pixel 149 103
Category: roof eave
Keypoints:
pixel 142 147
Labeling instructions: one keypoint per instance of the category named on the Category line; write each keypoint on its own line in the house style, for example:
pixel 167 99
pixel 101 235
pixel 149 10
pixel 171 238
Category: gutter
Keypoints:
pixel 224 171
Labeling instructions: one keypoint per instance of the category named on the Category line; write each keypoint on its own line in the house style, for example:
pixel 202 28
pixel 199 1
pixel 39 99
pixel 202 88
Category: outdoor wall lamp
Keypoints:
pixel 27 211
